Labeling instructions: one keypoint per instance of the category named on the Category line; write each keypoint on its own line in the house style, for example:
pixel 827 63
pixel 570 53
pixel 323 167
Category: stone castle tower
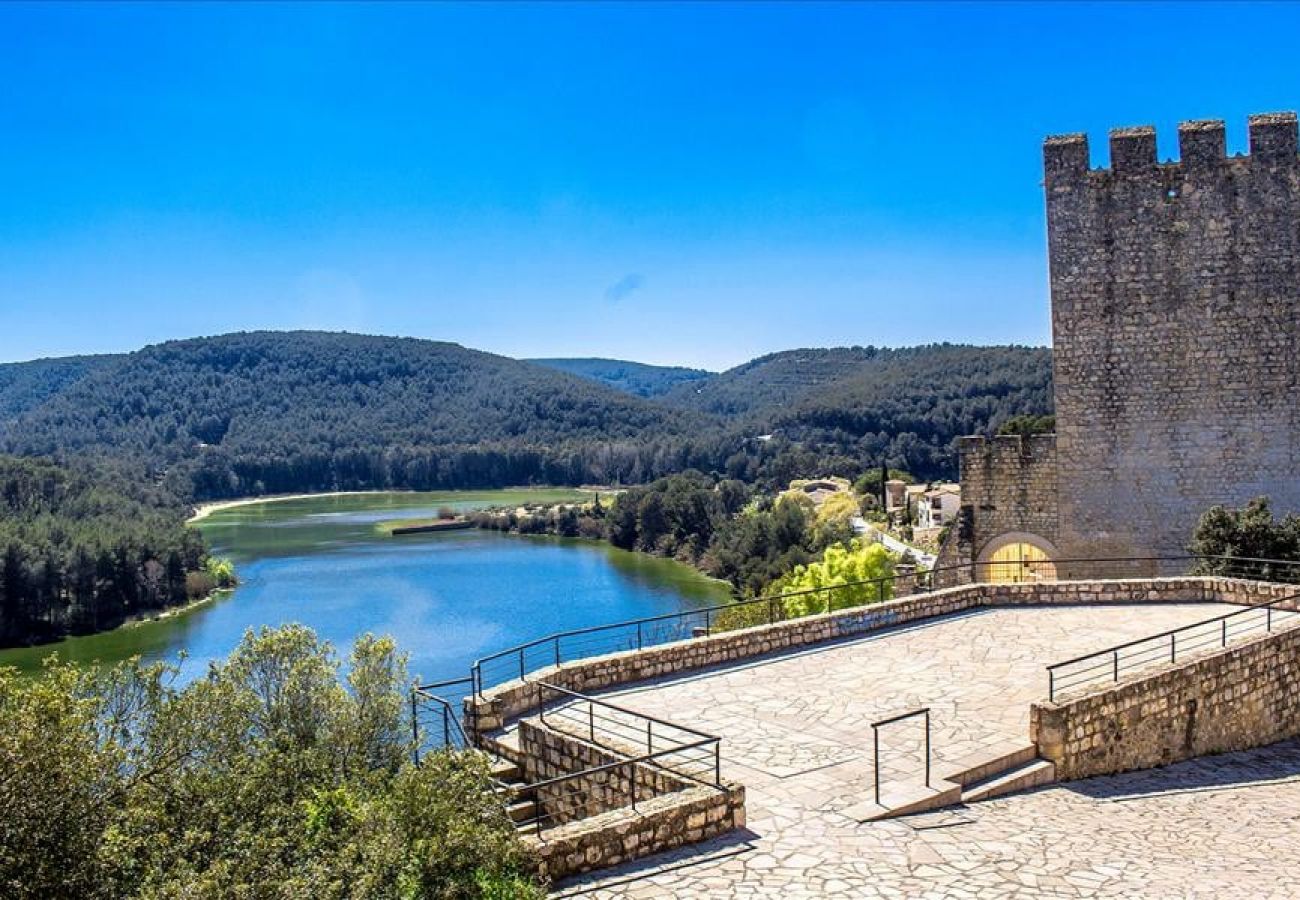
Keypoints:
pixel 1176 332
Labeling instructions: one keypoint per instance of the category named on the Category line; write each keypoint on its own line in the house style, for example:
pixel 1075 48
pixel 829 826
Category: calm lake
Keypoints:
pixel 448 598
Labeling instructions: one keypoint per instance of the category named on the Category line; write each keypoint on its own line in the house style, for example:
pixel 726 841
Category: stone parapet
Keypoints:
pixel 660 824
pixel 1240 697
pixel 514 698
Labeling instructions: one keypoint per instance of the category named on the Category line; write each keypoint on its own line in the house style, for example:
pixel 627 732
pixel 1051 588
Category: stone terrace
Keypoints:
pixel 796 731
pixel 1218 827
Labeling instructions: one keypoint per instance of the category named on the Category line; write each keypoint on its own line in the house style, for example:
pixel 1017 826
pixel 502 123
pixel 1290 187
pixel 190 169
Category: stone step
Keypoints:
pixel 988 762
pixel 1029 775
pixel 508 772
pixel 514 790
pixel 904 800
pixel 504 744
pixel 522 810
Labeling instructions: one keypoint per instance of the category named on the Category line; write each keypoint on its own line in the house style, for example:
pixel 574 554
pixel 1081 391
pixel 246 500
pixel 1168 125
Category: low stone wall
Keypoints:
pixel 512 699
pixel 547 754
pixel 1247 695
pixel 1254 593
pixel 663 823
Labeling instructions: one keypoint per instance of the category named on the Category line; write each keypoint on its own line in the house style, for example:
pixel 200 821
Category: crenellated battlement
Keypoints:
pixel 1176 323
pixel 1202 145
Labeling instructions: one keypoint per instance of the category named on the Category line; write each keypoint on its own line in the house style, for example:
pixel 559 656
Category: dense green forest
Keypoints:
pixel 27 385
pixel 630 377
pixel 842 410
pixel 81 550
pixel 262 412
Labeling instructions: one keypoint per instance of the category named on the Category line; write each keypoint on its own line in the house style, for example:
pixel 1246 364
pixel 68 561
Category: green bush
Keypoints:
pixel 833 583
pixel 272 776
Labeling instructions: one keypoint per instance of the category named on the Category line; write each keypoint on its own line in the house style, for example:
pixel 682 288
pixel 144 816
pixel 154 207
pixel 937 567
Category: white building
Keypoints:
pixel 937 506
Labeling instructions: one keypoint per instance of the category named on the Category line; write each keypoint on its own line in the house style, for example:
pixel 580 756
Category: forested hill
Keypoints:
pixel 640 379
pixel 275 411
pixel 279 412
pixel 844 405
pixel 26 385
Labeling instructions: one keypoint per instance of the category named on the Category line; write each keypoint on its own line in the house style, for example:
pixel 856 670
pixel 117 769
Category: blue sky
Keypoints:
pixel 680 183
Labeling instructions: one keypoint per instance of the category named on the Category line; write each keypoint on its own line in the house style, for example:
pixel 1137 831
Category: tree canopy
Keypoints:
pixel 83 548
pixel 274 776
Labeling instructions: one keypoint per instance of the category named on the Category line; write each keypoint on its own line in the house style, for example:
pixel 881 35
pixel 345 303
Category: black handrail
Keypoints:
pixel 1114 651
pixel 875 738
pixel 649 759
pixel 923 580
pixel 547 686
pixel 919 576
pixel 450 717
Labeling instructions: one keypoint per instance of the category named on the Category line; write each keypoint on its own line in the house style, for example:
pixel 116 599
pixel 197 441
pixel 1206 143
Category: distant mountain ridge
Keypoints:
pixel 641 379
pixel 26 385
pixel 270 412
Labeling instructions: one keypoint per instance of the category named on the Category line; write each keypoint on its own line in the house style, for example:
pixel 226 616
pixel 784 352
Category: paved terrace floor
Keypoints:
pixel 796 731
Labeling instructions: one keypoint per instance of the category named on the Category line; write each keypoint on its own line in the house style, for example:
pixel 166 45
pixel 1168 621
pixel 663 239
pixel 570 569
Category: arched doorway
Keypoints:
pixel 1016 557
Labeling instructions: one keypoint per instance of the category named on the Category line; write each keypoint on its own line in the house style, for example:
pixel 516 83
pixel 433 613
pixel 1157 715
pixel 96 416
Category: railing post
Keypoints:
pixel 1173 646
pixel 1115 654
pixel 591 717
pixel 521 663
pixel 446 726
pixel 1051 685
pixel 649 736
pixel 541 704
pixel 717 763
pixel 638 635
pixel 631 783
pixel 1268 618
pixel 708 623
pixel 557 651
pixel 927 748
pixel 875 742
pixel 1225 631
pixel 415 730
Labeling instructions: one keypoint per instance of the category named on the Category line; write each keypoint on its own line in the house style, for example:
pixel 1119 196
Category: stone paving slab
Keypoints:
pixel 1184 831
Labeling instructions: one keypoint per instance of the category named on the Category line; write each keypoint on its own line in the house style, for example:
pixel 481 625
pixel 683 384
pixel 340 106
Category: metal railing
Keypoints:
pixel 1168 646
pixel 519 661
pixel 599 789
pixel 686 752
pixel 875 740
pixel 636 634
pixel 436 716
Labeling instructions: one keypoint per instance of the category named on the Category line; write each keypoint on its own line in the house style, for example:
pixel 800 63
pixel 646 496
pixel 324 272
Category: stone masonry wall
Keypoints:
pixel 1242 697
pixel 689 816
pixel 548 754
pixel 1009 484
pixel 1176 328
pixel 510 700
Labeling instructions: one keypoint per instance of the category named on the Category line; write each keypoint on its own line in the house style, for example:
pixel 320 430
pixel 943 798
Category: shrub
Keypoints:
pixel 272 776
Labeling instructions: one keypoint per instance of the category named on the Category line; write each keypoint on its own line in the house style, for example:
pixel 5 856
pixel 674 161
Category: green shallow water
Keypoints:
pixel 447 598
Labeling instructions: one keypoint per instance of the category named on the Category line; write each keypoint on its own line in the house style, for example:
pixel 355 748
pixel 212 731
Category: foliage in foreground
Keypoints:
pixel 1247 533
pixel 272 777
pixel 836 581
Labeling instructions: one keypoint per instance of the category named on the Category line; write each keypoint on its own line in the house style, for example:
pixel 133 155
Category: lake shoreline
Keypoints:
pixel 207 508
pixel 577 591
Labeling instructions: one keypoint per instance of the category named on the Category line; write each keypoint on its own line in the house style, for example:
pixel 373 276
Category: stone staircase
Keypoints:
pixel 988 773
pixel 522 808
